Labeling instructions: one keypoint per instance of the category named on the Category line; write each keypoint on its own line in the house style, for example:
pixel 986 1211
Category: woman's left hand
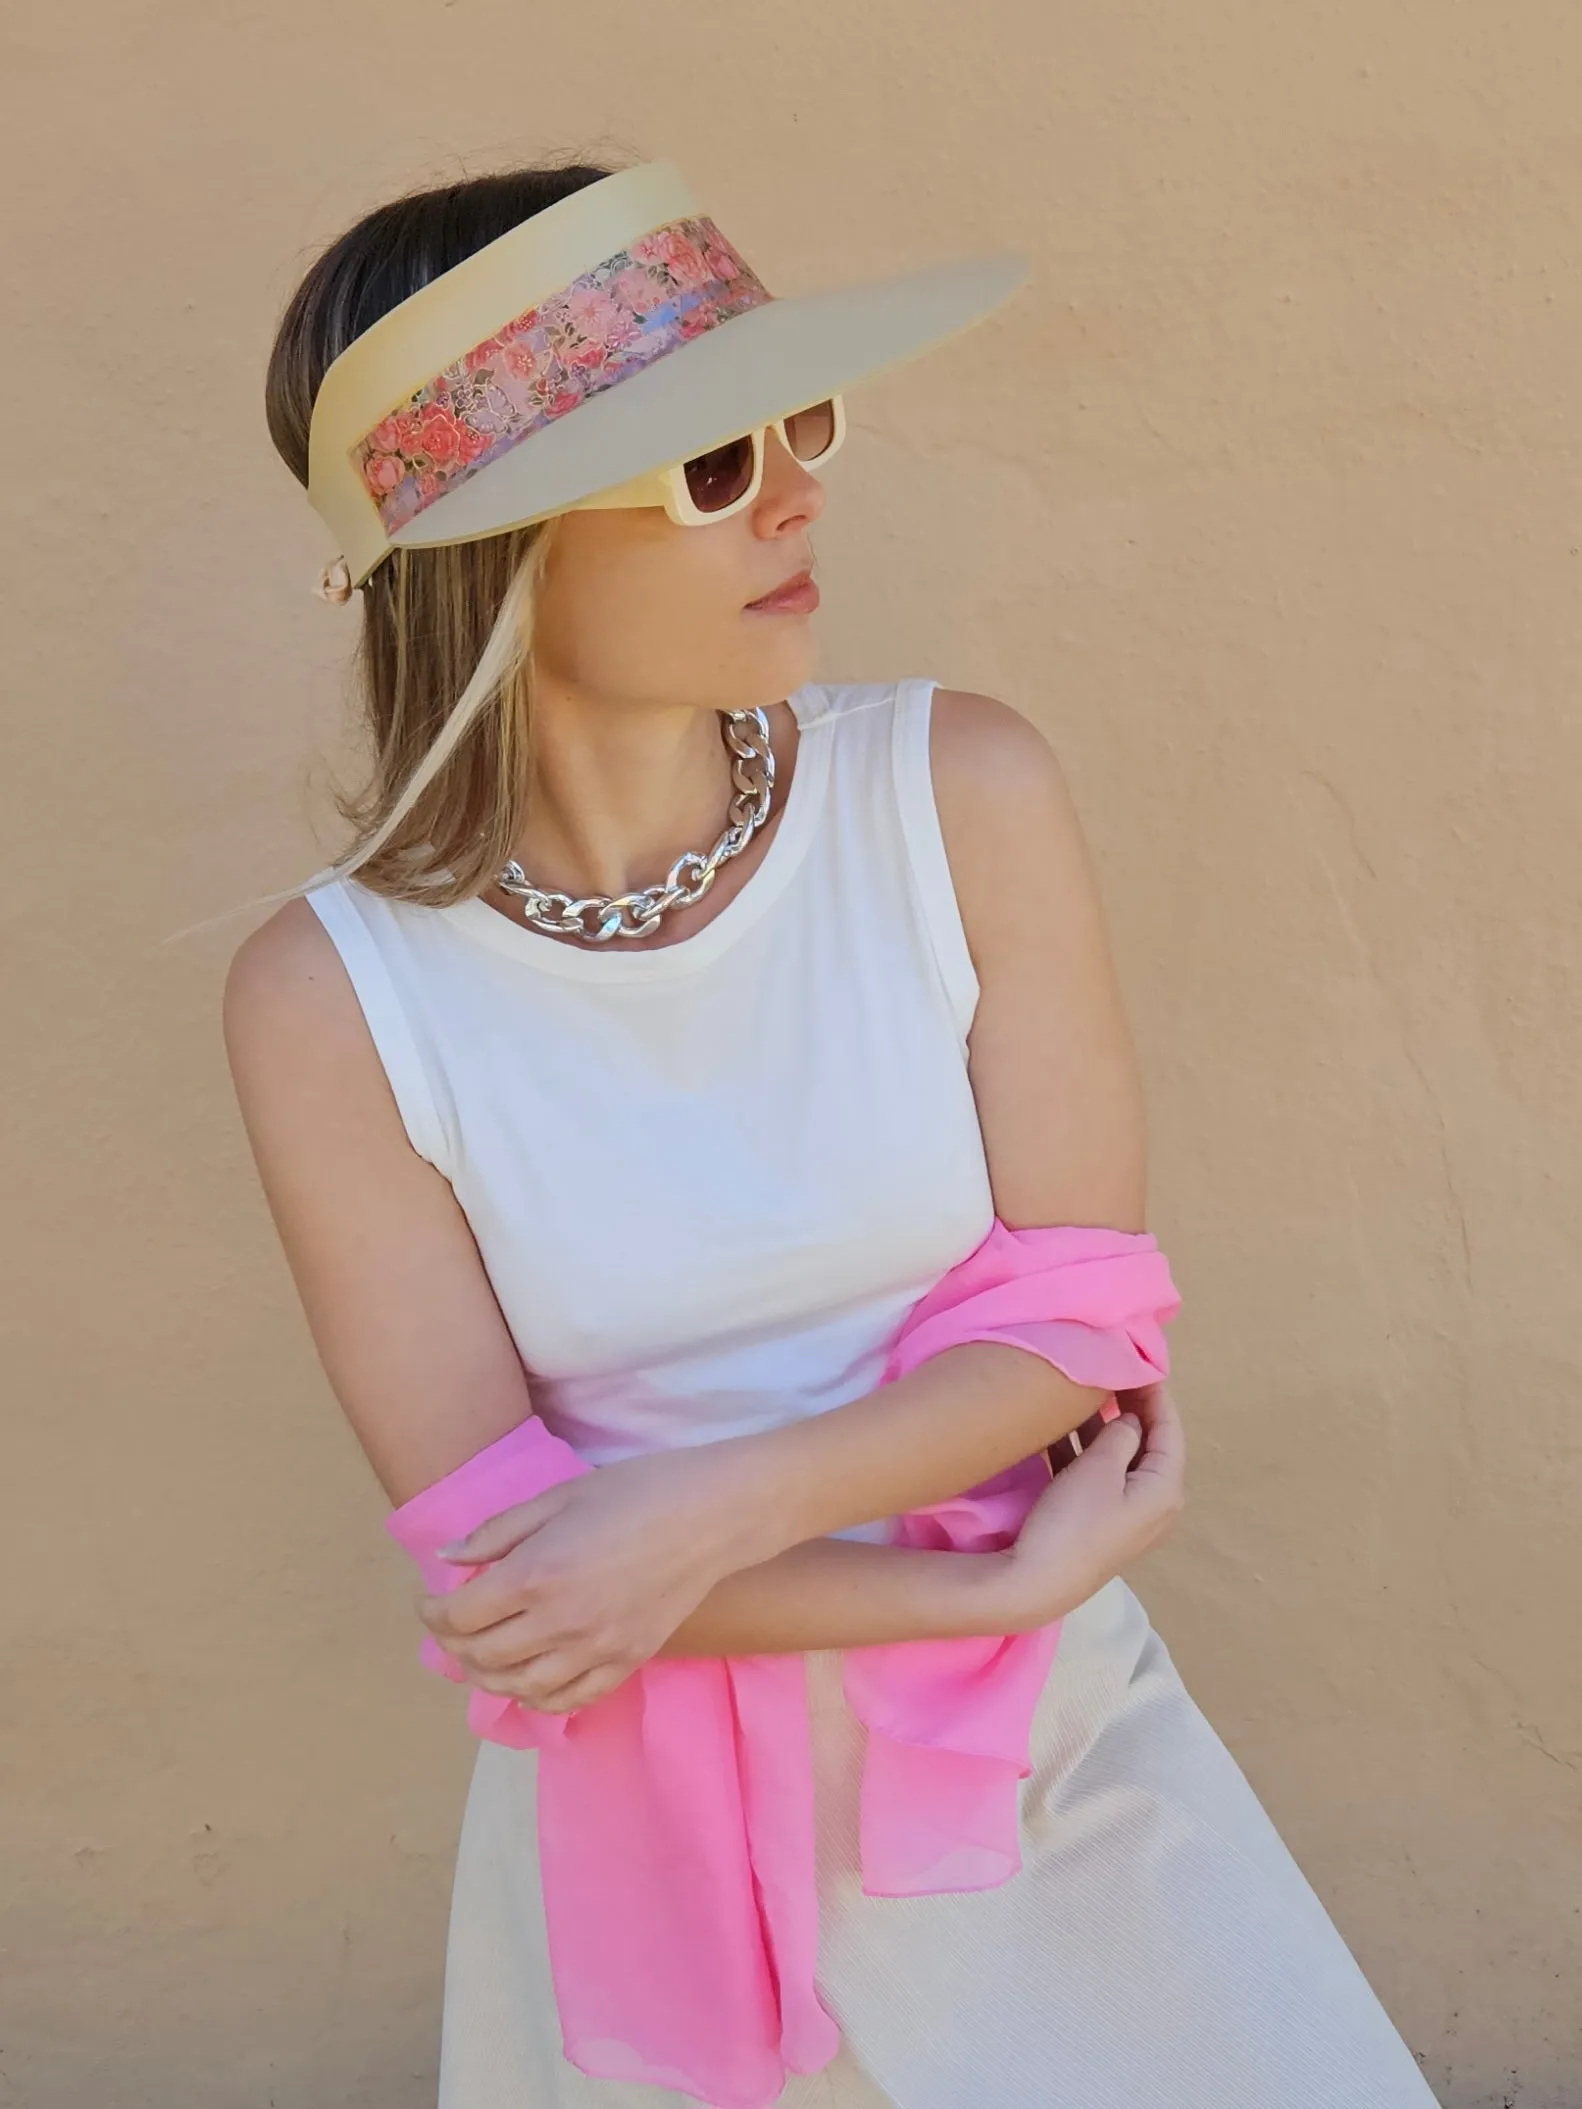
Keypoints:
pixel 588 1581
pixel 1118 1499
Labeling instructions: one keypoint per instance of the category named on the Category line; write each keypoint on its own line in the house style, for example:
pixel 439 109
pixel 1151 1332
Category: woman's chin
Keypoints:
pixel 784 661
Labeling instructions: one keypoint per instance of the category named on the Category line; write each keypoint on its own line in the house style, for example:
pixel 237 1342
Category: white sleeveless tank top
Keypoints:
pixel 707 1181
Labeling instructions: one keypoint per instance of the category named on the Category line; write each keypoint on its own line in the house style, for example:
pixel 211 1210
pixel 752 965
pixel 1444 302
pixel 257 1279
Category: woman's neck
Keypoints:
pixel 620 790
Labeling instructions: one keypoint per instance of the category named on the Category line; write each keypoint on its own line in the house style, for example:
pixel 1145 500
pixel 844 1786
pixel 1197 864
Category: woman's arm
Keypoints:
pixel 407 1327
pixel 1059 1098
pixel 1055 1080
pixel 1097 1516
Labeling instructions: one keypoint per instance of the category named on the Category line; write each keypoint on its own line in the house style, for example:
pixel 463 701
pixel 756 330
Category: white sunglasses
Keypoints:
pixel 728 478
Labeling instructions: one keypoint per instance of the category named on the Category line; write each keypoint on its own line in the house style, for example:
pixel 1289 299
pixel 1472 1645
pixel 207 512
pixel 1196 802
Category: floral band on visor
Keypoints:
pixel 670 285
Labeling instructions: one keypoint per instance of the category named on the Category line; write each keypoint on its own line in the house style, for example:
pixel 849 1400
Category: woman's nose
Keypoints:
pixel 790 491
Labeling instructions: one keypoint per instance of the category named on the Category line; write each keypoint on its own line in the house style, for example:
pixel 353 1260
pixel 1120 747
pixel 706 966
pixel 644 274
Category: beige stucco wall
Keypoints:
pixel 1263 500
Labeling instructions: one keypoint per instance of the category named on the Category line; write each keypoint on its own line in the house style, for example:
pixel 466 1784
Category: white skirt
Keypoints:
pixel 1160 1949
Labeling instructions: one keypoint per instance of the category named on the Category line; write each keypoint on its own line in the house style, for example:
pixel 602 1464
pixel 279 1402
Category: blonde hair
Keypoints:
pixel 444 659
pixel 446 796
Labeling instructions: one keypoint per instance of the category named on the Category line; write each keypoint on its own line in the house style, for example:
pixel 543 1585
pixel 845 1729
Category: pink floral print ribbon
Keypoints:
pixel 670 285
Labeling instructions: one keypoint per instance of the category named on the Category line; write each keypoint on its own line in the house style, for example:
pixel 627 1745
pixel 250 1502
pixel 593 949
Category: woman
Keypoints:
pixel 560 1115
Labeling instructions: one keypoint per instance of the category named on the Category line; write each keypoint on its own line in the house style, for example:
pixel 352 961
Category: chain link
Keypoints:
pixel 746 735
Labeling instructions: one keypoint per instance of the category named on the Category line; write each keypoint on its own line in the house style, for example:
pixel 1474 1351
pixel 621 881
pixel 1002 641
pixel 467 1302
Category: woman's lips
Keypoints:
pixel 798 596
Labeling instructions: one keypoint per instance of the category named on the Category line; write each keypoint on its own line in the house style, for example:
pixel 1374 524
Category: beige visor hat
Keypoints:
pixel 613 334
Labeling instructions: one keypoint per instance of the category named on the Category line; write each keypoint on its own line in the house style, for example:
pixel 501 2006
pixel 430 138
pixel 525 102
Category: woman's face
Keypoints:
pixel 635 609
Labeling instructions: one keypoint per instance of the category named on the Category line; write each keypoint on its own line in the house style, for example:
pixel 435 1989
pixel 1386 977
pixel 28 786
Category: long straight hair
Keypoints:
pixel 444 662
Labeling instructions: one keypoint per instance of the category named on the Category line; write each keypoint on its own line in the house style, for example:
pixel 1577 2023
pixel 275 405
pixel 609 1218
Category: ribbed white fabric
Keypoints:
pixel 707 1182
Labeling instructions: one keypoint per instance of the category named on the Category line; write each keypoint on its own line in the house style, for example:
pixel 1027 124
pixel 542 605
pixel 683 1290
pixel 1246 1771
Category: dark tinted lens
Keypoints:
pixel 718 478
pixel 812 432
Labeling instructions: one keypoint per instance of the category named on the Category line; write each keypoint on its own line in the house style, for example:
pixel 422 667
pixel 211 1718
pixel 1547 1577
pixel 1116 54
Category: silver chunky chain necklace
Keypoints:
pixel 746 734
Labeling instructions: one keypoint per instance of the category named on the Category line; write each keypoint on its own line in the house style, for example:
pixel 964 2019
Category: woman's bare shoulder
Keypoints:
pixel 1004 805
pixel 1053 1068
pixel 980 733
pixel 289 1001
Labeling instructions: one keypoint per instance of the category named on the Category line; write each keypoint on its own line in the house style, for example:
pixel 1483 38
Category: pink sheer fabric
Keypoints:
pixel 675 1817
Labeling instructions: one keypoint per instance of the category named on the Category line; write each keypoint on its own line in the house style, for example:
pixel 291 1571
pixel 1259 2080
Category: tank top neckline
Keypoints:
pixel 475 919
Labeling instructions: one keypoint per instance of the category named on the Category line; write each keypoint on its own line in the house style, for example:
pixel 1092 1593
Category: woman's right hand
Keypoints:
pixel 1113 1503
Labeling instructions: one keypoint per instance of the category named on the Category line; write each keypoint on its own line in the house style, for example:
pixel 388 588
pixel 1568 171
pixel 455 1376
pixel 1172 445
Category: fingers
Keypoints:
pixel 1063 1453
pixel 1164 1437
pixel 1083 1437
pixel 1157 1481
pixel 500 1649
pixel 558 1681
pixel 532 1682
pixel 1095 1480
pixel 1152 1403
pixel 1092 1428
pixel 1117 1443
pixel 496 1535
pixel 492 1594
pixel 582 1691
pixel 481 1601
pixel 521 1658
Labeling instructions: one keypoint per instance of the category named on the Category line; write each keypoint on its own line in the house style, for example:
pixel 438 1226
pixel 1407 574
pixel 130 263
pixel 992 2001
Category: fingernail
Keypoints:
pixel 449 1552
pixel 1132 1421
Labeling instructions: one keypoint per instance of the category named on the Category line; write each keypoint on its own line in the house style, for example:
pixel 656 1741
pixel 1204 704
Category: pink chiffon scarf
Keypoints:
pixel 675 1816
